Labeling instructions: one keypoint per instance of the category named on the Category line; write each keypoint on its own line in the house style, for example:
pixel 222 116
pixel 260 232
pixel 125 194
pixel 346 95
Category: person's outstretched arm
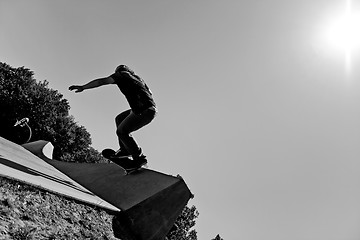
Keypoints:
pixel 92 84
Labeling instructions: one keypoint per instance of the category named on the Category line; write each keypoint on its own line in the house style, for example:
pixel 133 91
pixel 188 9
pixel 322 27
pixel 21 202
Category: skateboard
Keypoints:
pixel 125 162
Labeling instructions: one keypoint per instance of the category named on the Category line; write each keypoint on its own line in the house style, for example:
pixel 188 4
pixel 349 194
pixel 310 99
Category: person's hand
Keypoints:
pixel 76 88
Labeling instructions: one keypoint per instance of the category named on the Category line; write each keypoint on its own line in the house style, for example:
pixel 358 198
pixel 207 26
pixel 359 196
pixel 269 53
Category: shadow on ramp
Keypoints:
pixel 35 172
pixel 150 201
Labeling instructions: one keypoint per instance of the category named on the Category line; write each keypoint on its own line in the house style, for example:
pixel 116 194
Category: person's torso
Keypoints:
pixel 135 90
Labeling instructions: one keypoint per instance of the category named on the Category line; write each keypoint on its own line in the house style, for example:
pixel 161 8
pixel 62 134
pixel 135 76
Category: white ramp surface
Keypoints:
pixel 18 163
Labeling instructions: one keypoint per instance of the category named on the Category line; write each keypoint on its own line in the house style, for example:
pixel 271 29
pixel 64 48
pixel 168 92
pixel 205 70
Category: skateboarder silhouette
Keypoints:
pixel 142 110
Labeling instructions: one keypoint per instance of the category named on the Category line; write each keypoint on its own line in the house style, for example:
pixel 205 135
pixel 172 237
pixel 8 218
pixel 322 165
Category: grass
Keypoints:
pixel 29 213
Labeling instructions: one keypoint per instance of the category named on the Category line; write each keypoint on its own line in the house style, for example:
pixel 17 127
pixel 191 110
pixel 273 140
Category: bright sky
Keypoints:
pixel 259 109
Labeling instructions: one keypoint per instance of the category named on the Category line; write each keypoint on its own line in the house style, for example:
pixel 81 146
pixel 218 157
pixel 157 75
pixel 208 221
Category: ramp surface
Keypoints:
pixel 18 163
pixel 108 180
pixel 147 202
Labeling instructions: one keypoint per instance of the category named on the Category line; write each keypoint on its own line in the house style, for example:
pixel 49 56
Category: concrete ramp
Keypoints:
pixel 150 201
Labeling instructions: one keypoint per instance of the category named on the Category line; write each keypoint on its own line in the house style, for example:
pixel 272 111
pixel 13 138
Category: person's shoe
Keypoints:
pixel 135 164
pixel 122 153
pixel 139 160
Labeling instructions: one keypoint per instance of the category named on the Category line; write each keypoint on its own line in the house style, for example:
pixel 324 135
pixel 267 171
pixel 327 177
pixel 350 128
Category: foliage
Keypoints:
pixel 218 237
pixel 182 229
pixel 22 96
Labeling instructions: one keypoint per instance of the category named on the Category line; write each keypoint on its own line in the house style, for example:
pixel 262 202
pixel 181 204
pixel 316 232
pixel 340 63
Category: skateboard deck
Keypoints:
pixel 125 162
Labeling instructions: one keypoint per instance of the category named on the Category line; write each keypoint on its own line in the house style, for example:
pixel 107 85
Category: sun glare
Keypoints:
pixel 342 33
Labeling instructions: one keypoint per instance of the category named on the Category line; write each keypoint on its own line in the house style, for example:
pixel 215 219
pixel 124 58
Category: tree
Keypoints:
pixel 182 229
pixel 218 237
pixel 22 96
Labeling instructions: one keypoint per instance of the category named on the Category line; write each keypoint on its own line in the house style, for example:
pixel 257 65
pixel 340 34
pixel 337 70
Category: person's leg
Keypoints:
pixel 130 124
pixel 118 120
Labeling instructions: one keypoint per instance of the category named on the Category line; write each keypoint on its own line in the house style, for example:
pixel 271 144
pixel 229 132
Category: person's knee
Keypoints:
pixel 121 132
pixel 117 121
pixel 119 118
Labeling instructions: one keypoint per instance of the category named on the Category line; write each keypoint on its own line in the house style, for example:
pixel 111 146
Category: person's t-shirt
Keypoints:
pixel 135 90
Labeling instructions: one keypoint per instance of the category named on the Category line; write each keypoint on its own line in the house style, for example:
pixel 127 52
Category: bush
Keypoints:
pixel 22 96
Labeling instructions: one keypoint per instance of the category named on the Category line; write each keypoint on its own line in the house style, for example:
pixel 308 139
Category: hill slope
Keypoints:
pixel 29 213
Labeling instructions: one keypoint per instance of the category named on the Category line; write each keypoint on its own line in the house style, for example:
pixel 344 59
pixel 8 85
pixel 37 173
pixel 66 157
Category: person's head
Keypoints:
pixel 125 68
